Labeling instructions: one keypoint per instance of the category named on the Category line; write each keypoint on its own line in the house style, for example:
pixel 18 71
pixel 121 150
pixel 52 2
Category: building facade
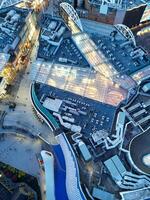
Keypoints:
pixel 120 12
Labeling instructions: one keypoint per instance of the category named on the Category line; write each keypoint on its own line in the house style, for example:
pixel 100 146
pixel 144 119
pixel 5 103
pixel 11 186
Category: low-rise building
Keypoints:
pixel 17 28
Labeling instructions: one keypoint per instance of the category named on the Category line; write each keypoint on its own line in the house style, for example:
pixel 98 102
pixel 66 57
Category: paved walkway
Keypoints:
pixel 23 116
pixel 20 152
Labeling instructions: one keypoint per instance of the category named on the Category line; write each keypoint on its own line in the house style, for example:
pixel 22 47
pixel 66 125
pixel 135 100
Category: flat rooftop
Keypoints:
pixel 12 20
pixel 4 60
pixel 123 4
pixel 139 111
pixel 139 148
pixel 96 116
pixel 8 3
pixel 143 193
pixel 121 53
pixel 55 43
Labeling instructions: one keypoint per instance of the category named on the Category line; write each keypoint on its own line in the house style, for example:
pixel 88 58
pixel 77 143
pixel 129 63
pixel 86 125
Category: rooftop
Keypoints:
pixel 78 108
pixel 139 150
pixel 121 4
pixel 122 54
pixel 7 3
pixel 12 20
pixel 4 58
pixel 144 193
pixel 138 111
pixel 78 80
pixel 54 37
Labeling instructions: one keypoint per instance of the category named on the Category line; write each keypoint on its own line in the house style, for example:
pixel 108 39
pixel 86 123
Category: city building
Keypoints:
pixel 110 12
pixel 100 51
pixel 101 194
pixel 78 114
pixel 17 29
pixel 15 191
pixel 95 131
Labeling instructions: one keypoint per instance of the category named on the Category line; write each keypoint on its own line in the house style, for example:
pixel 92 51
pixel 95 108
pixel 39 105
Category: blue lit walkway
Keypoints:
pixel 60 173
pixel 67 180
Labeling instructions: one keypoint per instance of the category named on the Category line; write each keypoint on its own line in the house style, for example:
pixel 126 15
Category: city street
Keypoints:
pixel 24 121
